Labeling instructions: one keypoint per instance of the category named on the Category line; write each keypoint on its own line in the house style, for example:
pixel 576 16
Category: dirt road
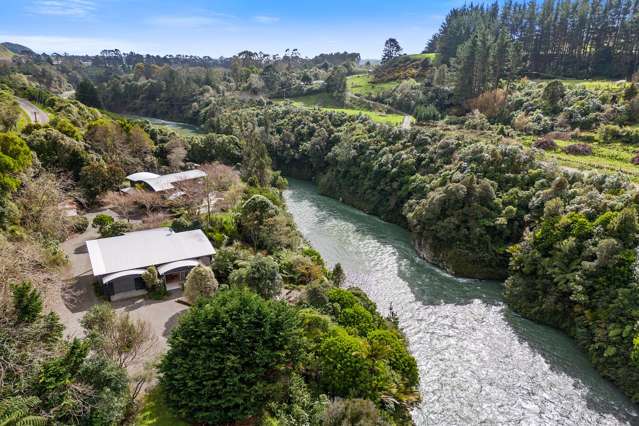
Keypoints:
pixel 36 115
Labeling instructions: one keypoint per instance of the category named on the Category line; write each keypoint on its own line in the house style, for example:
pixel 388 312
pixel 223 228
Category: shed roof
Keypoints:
pixel 135 177
pixel 165 182
pixel 145 248
pixel 176 265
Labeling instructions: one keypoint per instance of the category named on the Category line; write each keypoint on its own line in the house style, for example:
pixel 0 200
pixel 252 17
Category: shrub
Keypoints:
pixel 102 220
pixel 545 143
pixel 263 277
pixel 356 412
pixel 337 275
pixel 554 92
pixel 114 229
pixel 200 282
pixel 27 302
pixel 151 279
pixel 578 149
pixel 80 224
pixel 345 366
pixel 492 103
pixel 476 121
pixel 226 357
pixel 426 113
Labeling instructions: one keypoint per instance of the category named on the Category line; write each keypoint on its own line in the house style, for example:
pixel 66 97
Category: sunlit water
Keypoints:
pixel 479 363
pixel 183 128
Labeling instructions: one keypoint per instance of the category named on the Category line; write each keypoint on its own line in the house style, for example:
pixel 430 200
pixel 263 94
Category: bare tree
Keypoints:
pixel 122 204
pixel 116 336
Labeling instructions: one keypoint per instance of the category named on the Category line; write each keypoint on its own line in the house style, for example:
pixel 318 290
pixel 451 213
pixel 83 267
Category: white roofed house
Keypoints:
pixel 119 262
pixel 164 183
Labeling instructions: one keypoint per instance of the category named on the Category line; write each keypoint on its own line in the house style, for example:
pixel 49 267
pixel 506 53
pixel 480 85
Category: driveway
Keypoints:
pixel 35 114
pixel 77 296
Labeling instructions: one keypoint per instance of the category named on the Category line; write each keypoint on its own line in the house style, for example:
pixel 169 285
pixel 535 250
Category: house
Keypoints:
pixel 160 183
pixel 119 262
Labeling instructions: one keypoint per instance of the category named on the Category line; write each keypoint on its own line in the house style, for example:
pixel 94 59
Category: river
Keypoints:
pixel 479 362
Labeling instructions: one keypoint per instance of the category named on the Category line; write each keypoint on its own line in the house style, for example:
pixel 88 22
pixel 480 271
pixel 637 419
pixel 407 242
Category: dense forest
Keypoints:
pixel 550 38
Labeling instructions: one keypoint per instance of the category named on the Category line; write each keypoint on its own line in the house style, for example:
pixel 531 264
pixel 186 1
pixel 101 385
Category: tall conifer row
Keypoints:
pixel 554 38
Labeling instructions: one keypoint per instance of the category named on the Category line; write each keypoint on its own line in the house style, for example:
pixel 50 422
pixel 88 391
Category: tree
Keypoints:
pixel 9 111
pixel 254 215
pixel 256 163
pixel 151 279
pixel 392 49
pixel 115 335
pixel 263 277
pixel 554 92
pixel 96 178
pixel 226 357
pixel 338 276
pixel 200 282
pixel 88 94
pixel 15 156
pixel 27 302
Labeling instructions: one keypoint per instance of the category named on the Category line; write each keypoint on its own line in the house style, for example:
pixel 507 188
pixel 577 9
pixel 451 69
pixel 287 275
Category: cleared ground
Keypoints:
pixel 362 85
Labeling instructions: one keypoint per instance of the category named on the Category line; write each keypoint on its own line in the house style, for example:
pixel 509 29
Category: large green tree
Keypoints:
pixel 15 156
pixel 226 356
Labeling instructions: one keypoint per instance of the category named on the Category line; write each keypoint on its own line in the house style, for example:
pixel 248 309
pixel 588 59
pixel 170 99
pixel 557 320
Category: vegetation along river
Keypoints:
pixel 479 362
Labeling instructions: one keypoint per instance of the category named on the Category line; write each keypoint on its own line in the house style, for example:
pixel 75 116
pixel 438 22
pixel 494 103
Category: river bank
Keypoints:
pixel 479 362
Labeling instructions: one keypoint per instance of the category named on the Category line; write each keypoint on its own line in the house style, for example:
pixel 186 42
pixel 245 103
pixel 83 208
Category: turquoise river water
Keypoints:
pixel 479 362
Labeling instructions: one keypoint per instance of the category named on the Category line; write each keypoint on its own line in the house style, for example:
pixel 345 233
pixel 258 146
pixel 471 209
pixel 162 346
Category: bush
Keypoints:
pixel 102 220
pixel 226 357
pixel 424 114
pixel 263 277
pixel 151 279
pixel 492 103
pixel 545 143
pixel 200 282
pixel 80 224
pixel 27 302
pixel 355 412
pixel 578 149
pixel 114 229
pixel 345 366
pixel 476 121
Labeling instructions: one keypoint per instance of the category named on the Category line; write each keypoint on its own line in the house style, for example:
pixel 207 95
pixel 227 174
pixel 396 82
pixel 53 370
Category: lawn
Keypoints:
pixel 362 85
pixel 614 157
pixel 327 103
pixel 154 412
pixel 431 56
pixel 593 84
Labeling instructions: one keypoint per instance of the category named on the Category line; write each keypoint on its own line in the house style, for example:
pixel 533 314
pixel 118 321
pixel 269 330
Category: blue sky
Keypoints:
pixel 220 27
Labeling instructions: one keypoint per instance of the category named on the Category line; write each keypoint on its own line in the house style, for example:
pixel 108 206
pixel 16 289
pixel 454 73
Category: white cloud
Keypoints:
pixel 69 8
pixel 263 19
pixel 185 21
pixel 72 45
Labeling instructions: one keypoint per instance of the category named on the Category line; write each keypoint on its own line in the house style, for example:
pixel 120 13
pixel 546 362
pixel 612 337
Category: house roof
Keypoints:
pixel 145 248
pixel 165 182
pixel 135 177
pixel 176 265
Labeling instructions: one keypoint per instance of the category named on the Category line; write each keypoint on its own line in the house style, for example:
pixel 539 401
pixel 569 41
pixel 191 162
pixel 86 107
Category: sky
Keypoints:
pixel 220 27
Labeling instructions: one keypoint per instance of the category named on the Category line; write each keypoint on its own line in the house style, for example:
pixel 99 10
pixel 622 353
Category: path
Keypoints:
pixel 407 122
pixel 35 114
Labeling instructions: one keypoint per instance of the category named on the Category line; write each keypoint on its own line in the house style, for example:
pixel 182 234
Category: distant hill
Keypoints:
pixel 18 49
pixel 5 53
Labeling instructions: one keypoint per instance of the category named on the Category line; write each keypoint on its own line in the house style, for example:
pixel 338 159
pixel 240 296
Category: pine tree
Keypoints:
pixel 392 49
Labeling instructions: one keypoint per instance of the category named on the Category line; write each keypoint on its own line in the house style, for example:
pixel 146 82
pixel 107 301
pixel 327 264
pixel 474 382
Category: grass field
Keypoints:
pixel 431 56
pixel 328 103
pixel 613 157
pixel 154 412
pixel 593 84
pixel 362 85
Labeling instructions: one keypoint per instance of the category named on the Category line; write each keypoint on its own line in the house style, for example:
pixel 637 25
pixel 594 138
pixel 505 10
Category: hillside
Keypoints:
pixel 6 53
pixel 18 49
